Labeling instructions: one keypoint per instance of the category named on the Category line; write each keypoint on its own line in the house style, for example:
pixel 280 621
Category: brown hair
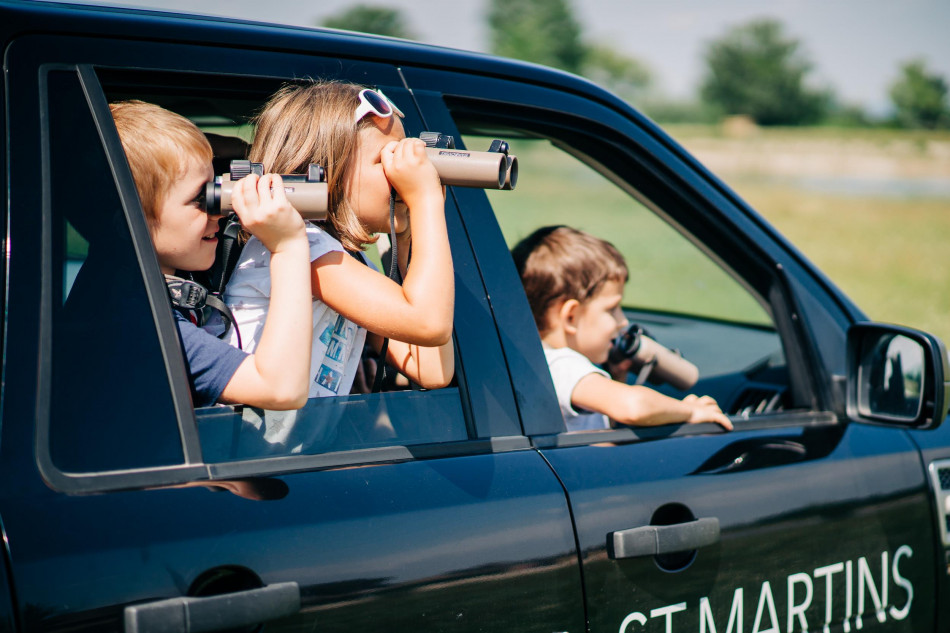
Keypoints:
pixel 158 145
pixel 560 263
pixel 313 123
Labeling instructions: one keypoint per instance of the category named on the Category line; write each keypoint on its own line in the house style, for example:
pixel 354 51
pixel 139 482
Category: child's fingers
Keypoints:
pixel 412 150
pixel 387 154
pixel 723 421
pixel 244 193
pixel 271 187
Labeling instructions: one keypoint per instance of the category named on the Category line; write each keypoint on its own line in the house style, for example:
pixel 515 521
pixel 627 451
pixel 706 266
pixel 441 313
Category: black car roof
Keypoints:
pixel 23 16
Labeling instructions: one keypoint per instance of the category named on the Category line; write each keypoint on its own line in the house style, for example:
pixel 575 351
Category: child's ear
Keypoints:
pixel 568 314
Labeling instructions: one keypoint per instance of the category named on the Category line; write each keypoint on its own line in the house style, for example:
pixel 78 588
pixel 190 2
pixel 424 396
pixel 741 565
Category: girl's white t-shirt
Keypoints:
pixel 337 341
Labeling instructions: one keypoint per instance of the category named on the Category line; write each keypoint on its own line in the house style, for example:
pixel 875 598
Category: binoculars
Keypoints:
pixel 308 193
pixel 651 360
pixel 494 169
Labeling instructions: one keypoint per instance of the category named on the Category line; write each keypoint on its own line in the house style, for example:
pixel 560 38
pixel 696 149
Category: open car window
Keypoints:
pixel 119 412
pixel 680 294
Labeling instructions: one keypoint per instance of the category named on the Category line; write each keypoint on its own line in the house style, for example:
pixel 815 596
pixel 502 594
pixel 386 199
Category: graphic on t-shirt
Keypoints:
pixel 329 378
pixel 339 328
pixel 335 349
pixel 337 337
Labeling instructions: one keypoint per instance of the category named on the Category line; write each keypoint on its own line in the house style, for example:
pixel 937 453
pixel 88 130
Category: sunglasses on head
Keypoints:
pixel 375 102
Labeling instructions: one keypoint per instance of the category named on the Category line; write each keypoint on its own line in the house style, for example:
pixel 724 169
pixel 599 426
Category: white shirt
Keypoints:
pixel 337 341
pixel 567 368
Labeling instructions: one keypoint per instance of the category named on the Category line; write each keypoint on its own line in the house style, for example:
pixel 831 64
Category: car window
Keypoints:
pixel 677 292
pixel 113 406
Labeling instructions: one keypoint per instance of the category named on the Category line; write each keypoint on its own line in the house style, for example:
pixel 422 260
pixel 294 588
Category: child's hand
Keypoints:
pixel 262 206
pixel 411 173
pixel 619 371
pixel 705 409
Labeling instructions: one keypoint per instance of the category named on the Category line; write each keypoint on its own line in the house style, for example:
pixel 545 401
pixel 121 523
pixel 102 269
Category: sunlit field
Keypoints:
pixel 890 255
pixel 870 207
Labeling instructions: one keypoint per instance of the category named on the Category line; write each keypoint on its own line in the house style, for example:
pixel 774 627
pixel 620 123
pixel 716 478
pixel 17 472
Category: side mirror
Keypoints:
pixel 897 376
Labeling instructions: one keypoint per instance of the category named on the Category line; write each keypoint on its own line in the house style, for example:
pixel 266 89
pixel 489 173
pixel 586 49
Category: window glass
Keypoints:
pixel 679 295
pixel 106 359
pixel 77 249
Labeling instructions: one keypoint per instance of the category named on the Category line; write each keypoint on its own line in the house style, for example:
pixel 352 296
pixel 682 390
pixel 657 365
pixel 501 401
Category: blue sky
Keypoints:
pixel 856 46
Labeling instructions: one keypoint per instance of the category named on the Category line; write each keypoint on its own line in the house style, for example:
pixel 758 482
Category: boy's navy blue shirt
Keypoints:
pixel 211 361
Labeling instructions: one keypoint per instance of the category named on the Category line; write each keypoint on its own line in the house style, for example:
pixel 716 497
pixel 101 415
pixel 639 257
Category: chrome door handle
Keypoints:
pixel 214 613
pixel 651 540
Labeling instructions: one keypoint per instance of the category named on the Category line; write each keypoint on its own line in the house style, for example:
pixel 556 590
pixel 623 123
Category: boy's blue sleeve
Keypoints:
pixel 211 361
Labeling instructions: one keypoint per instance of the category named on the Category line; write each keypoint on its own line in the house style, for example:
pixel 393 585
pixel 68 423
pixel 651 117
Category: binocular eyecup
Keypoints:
pixel 659 363
pixel 494 169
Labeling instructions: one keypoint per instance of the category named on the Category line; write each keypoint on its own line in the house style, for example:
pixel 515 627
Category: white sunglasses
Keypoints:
pixel 375 102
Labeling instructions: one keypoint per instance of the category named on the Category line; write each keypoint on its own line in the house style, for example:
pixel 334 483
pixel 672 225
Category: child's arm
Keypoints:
pixel 277 375
pixel 641 406
pixel 429 367
pixel 419 312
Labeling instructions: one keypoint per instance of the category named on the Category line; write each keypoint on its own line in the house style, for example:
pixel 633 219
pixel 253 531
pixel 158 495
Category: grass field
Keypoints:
pixel 870 208
pixel 889 255
pixel 882 237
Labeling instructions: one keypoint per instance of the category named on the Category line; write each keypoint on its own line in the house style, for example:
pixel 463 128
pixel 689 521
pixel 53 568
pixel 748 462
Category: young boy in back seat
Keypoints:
pixel 574 282
pixel 170 159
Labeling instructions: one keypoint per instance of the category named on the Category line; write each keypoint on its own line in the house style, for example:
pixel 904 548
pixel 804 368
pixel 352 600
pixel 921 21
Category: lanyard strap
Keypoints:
pixel 396 276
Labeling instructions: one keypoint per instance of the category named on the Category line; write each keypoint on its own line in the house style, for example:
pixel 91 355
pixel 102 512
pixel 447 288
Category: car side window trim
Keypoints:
pixel 147 260
pixel 191 467
pixel 194 466
pixel 784 419
pixel 366 456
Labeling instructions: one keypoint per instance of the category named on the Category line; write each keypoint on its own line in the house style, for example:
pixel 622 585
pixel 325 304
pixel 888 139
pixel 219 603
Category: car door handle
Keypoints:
pixel 651 540
pixel 214 613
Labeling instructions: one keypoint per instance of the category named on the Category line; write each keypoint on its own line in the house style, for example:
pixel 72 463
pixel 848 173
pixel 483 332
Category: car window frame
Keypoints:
pixel 779 267
pixel 493 427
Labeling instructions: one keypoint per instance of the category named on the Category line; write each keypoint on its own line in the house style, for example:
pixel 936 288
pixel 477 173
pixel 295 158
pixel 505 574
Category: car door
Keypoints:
pixel 123 506
pixel 799 519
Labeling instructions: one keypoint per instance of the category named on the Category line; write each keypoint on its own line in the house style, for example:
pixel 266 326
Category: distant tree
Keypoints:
pixel 366 18
pixel 920 97
pixel 540 31
pixel 625 75
pixel 756 70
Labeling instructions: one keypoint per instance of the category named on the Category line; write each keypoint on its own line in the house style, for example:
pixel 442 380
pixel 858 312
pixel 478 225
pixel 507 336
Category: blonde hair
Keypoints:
pixel 158 145
pixel 560 263
pixel 313 123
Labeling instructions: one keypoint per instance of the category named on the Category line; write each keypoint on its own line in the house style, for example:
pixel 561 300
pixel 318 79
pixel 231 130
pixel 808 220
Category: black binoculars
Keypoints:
pixel 494 169
pixel 652 361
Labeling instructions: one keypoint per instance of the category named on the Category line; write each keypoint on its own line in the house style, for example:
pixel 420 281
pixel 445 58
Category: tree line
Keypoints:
pixel 755 69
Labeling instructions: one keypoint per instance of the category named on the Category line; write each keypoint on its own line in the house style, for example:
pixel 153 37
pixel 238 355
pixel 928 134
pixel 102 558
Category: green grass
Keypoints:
pixel 687 132
pixel 889 255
